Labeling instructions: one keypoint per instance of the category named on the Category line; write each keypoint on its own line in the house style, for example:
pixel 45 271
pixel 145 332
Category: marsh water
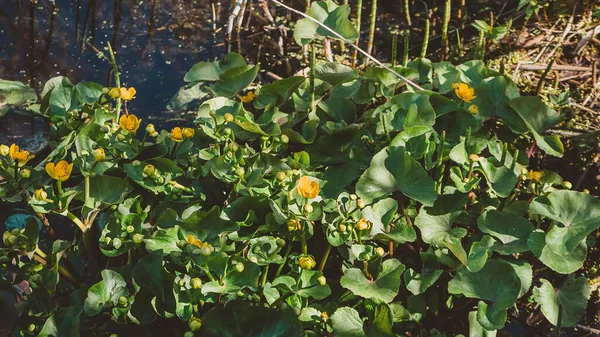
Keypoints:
pixel 156 43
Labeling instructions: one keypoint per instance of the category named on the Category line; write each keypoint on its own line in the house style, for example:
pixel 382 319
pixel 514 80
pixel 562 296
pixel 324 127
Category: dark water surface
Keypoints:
pixel 156 43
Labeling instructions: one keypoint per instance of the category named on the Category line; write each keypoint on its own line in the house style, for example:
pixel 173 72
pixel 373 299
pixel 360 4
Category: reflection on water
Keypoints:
pixel 156 43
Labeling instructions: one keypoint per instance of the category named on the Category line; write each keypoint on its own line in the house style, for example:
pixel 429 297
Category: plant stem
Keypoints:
pixel 312 78
pixel 394 48
pixel 425 39
pixel 76 221
pixel 480 46
pixel 17 173
pixel 445 23
pixel 210 276
pixel 470 174
pixel 372 28
pixel 406 47
pixel 325 257
pixel 407 13
pixel 303 243
pixel 59 187
pixel 87 189
pixel 117 79
pixel 264 277
pixel 357 27
pixel 385 129
pixel 285 257
pixel 43 258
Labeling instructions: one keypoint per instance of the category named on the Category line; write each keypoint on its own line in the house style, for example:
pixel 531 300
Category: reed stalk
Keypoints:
pixel 425 39
pixel 373 21
pixel 357 27
pixel 445 23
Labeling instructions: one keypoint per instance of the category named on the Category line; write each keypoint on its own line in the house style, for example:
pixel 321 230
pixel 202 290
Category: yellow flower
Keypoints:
pixel 205 247
pixel 188 132
pixel 114 93
pixel 536 176
pixel 249 97
pixel 19 156
pixel 464 92
pixel 363 225
pixel 473 109
pixel 176 134
pixel 127 94
pixel 129 123
pixel 61 171
pixel 307 262
pixel 308 189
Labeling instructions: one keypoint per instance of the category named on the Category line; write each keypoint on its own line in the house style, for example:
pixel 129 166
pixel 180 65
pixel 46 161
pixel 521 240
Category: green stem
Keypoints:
pixel 372 29
pixel 117 79
pixel 357 27
pixel 325 257
pixel 470 174
pixel 59 187
pixel 312 77
pixel 17 173
pixel 76 221
pixel 264 277
pixel 87 189
pixel 61 270
pixel 394 49
pixel 210 276
pixel 425 38
pixel 303 242
pixel 385 129
pixel 285 257
pixel 406 47
pixel 174 151
pixel 445 23
pixel 407 13
pixel 356 237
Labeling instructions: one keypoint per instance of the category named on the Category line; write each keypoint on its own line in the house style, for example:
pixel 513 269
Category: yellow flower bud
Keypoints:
pixel 228 117
pixel 280 176
pixel 4 150
pixel 41 195
pixel 25 173
pixel 99 154
pixel 322 280
pixel 239 267
pixel 308 208
pixel 149 170
pixel 473 109
pixel 150 129
pixel 473 157
pixel 114 93
pixel 567 185
pixel 379 251
pixel 361 203
pixel 307 262
pixel 196 283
